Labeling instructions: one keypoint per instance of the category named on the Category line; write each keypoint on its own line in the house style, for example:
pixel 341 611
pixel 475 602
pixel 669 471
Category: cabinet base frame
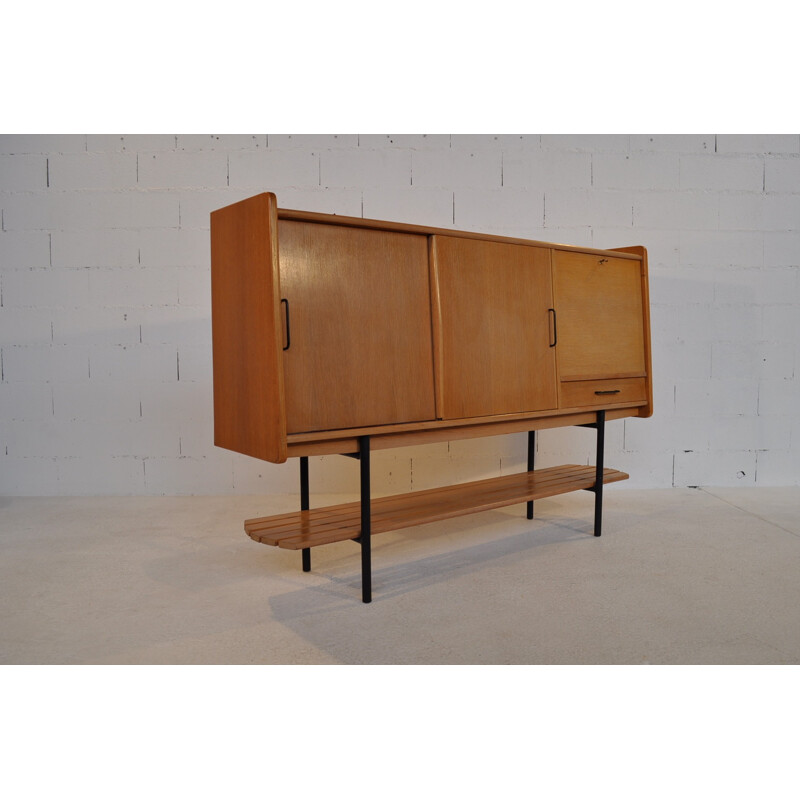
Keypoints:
pixel 360 521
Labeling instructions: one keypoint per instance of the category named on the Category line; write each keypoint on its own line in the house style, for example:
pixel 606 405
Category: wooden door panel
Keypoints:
pixel 492 328
pixel 360 324
pixel 600 324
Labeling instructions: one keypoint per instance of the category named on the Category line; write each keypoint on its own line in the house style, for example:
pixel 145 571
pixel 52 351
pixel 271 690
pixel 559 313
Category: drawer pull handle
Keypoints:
pixel 288 334
pixel 555 332
pixel 607 391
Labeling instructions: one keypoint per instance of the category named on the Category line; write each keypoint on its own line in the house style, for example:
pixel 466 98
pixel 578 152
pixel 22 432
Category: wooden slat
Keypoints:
pixel 300 529
pixel 389 506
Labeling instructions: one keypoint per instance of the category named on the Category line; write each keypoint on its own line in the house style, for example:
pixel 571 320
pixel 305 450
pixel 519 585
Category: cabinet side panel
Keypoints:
pixel 247 330
pixel 646 411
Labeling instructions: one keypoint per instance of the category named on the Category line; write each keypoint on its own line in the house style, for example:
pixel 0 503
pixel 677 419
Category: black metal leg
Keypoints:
pixel 531 451
pixel 304 505
pixel 598 480
pixel 366 529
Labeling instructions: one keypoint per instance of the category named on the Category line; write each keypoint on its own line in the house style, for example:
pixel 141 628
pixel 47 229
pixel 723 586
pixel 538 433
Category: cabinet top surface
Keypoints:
pixel 403 227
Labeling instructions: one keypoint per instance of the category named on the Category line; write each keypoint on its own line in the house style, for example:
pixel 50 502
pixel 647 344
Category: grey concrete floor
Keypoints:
pixel 680 576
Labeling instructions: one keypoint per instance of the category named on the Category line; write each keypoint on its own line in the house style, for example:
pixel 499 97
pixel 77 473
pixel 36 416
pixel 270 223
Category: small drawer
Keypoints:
pixel 575 394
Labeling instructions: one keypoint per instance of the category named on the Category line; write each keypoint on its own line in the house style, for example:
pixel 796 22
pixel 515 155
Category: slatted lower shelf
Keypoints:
pixel 301 529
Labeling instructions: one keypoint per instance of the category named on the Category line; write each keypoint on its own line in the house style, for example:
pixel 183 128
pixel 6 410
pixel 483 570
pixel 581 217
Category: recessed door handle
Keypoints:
pixel 552 312
pixel 608 391
pixel 288 333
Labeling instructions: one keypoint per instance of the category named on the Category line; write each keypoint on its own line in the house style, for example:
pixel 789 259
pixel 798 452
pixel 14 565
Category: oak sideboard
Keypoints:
pixel 341 335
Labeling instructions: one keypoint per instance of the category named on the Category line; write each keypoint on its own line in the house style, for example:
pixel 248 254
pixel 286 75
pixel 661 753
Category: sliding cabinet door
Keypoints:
pixel 493 328
pixel 358 329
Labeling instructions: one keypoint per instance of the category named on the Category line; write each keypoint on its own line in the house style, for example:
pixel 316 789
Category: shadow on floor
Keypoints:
pixel 388 582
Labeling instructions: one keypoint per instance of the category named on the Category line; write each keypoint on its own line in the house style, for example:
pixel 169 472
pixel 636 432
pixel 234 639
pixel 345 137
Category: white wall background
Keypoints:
pixel 105 336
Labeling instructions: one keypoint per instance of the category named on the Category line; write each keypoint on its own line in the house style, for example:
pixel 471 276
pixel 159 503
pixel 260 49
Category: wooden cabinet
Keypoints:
pixel 326 328
pixel 340 335
pixel 492 330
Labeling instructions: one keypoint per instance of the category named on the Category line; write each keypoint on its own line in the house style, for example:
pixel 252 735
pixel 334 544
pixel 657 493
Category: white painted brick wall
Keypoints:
pixel 781 248
pixel 782 175
pixel 413 141
pixel 695 210
pixel 562 169
pixel 450 169
pixel 351 167
pixel 109 170
pixel 104 249
pixel 23 173
pixel 274 168
pixel 722 173
pixel 641 171
pixel 751 144
pixel 105 354
pixel 673 143
pixel 227 142
pixel 178 169
pixel 20 144
pixel 593 142
pixel 416 206
pixel 347 202
pixel 70 211
pixel 103 143
pixel 585 207
pixel 498 211
pixel 320 141
pixel 23 250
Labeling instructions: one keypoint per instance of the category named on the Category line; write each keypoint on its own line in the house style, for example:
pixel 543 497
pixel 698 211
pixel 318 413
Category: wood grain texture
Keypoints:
pixel 600 316
pixel 339 388
pixel 300 529
pixel 426 230
pixel 641 252
pixel 575 394
pixel 249 414
pixel 413 435
pixel 360 318
pixel 492 328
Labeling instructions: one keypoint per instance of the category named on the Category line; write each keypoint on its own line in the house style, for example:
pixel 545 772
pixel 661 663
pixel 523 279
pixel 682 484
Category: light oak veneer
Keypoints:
pixel 411 329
